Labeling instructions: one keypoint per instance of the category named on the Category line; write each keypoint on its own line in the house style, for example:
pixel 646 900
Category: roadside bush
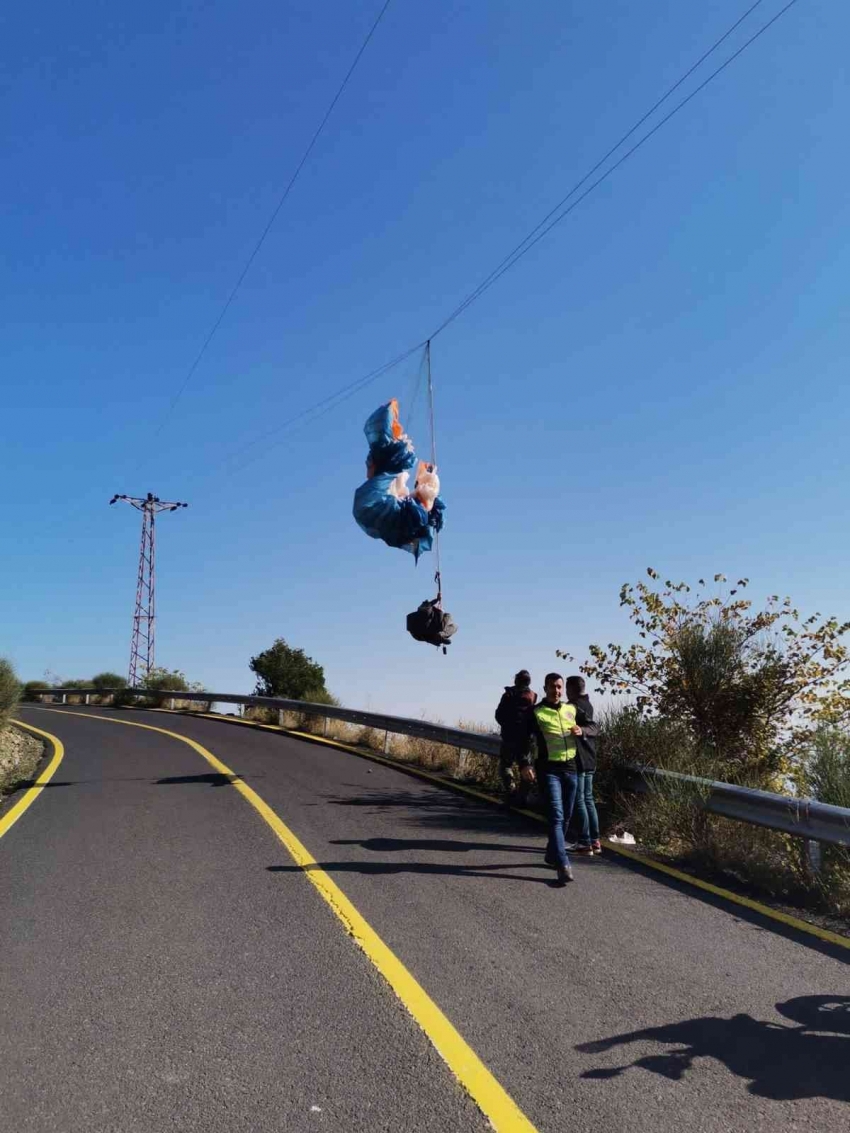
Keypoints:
pixel 825 775
pixel 284 671
pixel 667 817
pixel 107 680
pixel 372 738
pixel 630 739
pixel 746 683
pixel 124 699
pixel 10 691
pixel 161 681
pixel 260 715
pixel 30 689
pixel 76 682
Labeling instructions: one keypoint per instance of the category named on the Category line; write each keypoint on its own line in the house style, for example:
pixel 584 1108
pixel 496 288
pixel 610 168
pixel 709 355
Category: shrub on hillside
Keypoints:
pixel 31 688
pixel 745 683
pixel 825 776
pixel 10 691
pixel 161 682
pixel 75 682
pixel 108 680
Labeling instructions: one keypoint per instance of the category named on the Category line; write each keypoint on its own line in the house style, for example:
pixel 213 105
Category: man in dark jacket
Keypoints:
pixel 512 713
pixel 585 819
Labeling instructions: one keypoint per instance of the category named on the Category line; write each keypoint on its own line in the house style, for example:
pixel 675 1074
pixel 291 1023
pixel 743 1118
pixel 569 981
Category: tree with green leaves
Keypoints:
pixel 747 683
pixel 287 672
pixel 108 680
pixel 32 688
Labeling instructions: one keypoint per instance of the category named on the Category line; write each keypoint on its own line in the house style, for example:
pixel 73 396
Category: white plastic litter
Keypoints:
pixel 624 839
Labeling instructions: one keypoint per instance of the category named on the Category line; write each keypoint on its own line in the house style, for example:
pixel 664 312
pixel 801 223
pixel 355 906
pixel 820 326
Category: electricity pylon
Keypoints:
pixel 144 617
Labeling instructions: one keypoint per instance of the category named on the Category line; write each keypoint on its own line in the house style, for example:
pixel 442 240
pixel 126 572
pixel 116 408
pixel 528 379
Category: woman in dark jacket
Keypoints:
pixel 585 817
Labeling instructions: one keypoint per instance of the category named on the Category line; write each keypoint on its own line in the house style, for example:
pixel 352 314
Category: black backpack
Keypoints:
pixel 432 624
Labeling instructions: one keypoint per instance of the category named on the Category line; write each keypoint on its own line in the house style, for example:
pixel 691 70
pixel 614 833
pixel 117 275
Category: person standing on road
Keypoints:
pixel 555 730
pixel 512 715
pixel 585 817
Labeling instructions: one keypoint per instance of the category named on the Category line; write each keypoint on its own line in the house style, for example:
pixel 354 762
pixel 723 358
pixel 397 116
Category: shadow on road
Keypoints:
pixel 381 845
pixel 214 779
pixel 437 809
pixel 782 1063
pixel 374 868
pixel 25 784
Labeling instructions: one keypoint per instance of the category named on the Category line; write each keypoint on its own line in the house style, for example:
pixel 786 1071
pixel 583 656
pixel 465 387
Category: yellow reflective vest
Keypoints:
pixel 552 729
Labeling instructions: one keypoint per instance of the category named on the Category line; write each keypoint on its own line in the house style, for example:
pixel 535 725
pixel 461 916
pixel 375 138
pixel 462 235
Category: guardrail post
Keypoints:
pixel 461 762
pixel 63 698
pixel 386 741
pixel 86 698
pixel 280 713
pixel 814 856
pixel 325 727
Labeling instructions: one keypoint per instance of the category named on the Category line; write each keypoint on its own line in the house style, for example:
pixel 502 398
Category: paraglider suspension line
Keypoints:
pixel 438 576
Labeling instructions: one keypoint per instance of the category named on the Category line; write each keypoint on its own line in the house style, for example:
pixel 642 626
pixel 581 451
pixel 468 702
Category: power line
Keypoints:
pixel 190 372
pixel 321 407
pixel 526 245
pixel 552 218
pixel 479 290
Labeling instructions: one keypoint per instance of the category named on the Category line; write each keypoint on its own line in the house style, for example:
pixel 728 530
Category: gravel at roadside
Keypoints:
pixel 20 755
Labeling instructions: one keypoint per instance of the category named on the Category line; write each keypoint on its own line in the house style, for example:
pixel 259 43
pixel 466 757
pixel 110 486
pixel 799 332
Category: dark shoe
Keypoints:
pixel 565 874
pixel 550 864
pixel 584 851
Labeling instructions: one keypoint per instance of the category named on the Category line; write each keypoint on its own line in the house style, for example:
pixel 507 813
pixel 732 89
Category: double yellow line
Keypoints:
pixel 493 1101
pixel 31 794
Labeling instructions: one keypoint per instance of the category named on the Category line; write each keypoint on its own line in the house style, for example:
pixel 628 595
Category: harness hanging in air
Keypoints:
pixel 430 622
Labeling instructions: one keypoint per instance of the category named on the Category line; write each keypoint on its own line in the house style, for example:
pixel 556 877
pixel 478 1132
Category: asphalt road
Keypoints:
pixel 167 966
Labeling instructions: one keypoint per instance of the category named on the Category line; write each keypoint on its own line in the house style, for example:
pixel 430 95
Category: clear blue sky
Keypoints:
pixel 661 381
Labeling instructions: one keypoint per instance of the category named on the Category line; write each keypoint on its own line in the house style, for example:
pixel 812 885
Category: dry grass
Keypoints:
pixel 440 759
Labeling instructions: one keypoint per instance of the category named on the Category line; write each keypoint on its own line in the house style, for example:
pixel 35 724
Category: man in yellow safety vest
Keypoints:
pixel 554 728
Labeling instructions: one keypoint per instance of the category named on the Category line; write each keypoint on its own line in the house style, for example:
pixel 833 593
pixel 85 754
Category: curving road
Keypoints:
pixel 166 964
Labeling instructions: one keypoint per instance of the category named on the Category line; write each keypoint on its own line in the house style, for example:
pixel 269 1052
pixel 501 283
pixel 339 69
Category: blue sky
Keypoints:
pixel 661 381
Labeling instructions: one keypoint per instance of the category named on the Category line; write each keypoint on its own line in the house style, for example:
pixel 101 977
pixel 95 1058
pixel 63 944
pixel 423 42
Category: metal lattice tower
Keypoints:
pixel 142 648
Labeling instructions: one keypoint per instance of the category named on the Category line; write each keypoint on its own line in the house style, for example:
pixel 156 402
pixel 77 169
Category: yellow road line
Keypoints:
pixel 796 923
pixel 493 1101
pixel 25 802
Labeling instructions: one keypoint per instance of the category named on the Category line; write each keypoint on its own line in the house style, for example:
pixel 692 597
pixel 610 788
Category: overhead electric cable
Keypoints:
pixel 544 226
pixel 473 295
pixel 190 372
pixel 323 406
pixel 528 243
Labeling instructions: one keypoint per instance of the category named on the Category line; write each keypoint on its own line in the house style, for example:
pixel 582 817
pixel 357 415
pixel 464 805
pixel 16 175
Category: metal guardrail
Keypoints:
pixel 424 729
pixel 800 817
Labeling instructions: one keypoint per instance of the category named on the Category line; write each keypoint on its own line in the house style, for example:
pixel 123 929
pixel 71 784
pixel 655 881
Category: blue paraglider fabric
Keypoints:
pixel 401 523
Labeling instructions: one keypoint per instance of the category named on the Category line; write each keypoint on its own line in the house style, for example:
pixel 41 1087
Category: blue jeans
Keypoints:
pixel 560 798
pixel 586 818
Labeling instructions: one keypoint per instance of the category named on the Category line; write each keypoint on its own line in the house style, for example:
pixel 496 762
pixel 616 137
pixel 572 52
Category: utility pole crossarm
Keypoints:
pixel 142 647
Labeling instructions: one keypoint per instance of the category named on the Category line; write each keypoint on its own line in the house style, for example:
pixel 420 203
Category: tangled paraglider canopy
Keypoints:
pixel 385 507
